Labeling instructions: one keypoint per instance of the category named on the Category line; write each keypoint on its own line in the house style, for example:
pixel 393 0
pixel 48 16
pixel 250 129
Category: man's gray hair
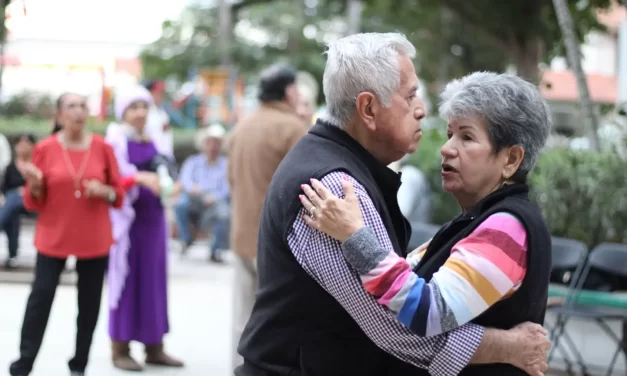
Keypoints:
pixel 515 112
pixel 366 62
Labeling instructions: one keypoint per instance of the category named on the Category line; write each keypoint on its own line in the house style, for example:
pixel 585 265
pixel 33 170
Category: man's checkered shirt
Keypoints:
pixel 321 257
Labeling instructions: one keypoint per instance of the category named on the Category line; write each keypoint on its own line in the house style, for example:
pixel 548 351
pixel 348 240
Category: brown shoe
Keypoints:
pixel 121 356
pixel 156 356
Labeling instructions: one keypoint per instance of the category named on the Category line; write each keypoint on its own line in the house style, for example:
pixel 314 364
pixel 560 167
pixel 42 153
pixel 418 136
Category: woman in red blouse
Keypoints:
pixel 72 182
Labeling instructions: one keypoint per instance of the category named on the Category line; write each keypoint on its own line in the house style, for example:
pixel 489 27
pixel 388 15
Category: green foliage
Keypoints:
pixel 28 104
pixel 15 106
pixel 582 194
pixel 11 127
pixel 429 160
pixel 453 37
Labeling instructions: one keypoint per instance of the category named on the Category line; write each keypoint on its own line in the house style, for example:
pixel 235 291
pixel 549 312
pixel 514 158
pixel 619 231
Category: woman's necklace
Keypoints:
pixel 70 166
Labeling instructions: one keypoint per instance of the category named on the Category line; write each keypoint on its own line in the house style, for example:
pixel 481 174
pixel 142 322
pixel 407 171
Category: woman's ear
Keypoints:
pixel 515 156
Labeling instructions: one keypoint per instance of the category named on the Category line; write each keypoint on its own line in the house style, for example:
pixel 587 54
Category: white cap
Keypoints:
pixel 214 131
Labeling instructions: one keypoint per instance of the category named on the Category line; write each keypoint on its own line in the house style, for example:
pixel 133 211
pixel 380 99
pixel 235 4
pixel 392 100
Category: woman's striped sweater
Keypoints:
pixel 483 268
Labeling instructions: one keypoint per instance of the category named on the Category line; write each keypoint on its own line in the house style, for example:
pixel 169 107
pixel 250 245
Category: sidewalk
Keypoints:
pixel 200 318
pixel 200 321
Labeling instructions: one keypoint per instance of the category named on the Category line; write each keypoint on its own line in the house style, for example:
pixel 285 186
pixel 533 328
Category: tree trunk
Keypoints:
pixel 295 33
pixel 225 21
pixel 526 57
pixel 2 59
pixel 353 16
pixel 574 58
pixel 3 39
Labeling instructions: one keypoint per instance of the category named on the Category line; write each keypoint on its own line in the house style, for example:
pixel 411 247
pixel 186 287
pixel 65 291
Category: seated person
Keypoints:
pixel 205 196
pixel 12 189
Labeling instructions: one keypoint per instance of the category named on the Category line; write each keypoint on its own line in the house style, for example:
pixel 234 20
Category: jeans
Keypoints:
pixel 47 272
pixel 10 219
pixel 216 216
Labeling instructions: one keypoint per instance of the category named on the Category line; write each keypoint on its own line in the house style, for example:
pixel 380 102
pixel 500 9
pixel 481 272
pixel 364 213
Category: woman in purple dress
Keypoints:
pixel 137 264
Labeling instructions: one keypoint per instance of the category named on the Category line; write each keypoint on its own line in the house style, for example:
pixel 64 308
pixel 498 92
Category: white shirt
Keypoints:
pixel 414 195
pixel 5 153
pixel 157 127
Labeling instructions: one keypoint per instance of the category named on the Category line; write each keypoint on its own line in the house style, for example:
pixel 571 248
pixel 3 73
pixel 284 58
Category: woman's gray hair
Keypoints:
pixel 358 63
pixel 514 109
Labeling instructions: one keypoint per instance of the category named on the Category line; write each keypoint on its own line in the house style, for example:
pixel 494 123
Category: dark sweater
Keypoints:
pixel 12 178
pixel 296 327
pixel 528 303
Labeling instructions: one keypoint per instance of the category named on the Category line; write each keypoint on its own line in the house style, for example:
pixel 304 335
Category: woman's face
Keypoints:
pixel 305 110
pixel 23 147
pixel 470 168
pixel 72 113
pixel 136 114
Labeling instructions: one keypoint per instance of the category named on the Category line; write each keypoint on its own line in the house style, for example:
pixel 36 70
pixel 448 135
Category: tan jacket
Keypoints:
pixel 256 147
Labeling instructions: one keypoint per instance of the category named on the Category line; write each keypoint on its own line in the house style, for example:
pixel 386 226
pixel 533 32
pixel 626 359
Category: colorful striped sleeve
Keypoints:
pixel 483 268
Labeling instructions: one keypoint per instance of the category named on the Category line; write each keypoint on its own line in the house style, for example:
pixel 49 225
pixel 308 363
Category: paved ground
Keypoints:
pixel 200 315
pixel 200 318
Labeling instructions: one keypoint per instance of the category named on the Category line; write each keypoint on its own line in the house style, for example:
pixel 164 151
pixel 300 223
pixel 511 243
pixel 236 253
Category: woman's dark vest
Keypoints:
pixel 296 327
pixel 528 303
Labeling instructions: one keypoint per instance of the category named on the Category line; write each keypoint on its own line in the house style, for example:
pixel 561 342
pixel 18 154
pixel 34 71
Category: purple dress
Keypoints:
pixel 142 311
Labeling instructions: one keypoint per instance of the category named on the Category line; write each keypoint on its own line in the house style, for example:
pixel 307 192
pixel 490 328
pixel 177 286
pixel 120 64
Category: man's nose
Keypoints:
pixel 419 113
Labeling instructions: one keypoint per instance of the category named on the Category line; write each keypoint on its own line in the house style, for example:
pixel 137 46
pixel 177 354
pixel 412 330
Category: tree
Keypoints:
pixel 3 37
pixel 574 57
pixel 526 31
pixel 453 37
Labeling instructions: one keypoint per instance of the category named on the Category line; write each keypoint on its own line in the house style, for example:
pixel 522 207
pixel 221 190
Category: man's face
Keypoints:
pixel 213 147
pixel 399 125
pixel 292 96
pixel 305 110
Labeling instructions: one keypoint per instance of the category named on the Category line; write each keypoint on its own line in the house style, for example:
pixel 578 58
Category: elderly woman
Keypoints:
pixel 137 268
pixel 72 182
pixel 489 265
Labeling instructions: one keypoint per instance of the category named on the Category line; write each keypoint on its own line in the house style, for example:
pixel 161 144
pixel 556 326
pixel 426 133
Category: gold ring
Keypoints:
pixel 312 212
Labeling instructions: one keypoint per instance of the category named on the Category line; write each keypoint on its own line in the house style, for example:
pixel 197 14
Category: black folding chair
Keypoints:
pixel 568 259
pixel 610 259
pixel 421 233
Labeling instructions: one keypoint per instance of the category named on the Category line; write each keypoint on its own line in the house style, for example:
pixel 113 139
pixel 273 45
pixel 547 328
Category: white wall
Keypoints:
pixel 599 55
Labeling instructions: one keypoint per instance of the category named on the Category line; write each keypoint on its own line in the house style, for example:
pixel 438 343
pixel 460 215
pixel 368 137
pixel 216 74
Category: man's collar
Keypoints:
pixel 280 106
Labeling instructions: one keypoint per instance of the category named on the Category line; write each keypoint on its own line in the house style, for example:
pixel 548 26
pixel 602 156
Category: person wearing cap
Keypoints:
pixel 205 199
pixel 158 123
pixel 137 273
pixel 256 147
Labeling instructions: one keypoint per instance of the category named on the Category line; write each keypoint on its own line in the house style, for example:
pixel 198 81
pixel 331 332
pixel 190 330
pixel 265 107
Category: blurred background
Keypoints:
pixel 209 53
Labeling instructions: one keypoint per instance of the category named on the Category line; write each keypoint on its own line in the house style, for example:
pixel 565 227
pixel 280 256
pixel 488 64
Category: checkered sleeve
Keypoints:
pixel 321 257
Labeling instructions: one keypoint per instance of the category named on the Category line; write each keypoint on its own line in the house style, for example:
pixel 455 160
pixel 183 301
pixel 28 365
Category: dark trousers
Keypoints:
pixel 10 219
pixel 11 228
pixel 47 272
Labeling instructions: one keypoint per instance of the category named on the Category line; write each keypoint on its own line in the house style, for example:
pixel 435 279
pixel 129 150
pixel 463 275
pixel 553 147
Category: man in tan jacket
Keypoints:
pixel 256 147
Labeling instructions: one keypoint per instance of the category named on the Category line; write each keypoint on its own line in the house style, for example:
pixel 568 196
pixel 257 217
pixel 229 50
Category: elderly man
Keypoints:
pixel 205 197
pixel 256 147
pixel 312 315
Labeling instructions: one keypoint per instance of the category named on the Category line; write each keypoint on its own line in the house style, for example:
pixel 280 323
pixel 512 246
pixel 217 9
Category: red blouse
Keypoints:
pixel 67 225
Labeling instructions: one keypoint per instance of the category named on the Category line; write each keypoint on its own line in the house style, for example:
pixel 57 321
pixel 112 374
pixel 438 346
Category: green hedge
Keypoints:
pixel 11 127
pixel 582 194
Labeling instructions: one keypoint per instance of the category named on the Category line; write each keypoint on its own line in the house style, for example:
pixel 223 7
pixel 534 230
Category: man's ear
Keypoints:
pixel 366 109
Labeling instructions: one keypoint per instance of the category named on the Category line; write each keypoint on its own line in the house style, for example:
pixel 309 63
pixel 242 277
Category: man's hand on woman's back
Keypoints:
pixel 525 346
